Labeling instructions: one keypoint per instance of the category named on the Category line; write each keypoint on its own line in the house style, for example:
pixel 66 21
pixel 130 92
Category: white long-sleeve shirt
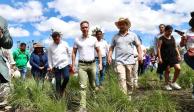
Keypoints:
pixel 58 55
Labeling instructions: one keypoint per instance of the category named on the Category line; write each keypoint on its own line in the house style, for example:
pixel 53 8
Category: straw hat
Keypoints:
pixel 125 20
pixel 38 45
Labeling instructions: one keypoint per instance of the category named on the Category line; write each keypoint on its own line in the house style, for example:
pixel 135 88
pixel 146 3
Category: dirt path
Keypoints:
pixel 185 102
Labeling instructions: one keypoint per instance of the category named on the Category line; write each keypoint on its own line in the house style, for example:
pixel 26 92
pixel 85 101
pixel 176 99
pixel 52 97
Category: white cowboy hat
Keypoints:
pixel 125 20
pixel 38 45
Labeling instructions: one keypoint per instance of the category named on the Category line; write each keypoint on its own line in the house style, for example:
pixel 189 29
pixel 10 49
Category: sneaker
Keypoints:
pixel 192 96
pixel 129 97
pixel 101 87
pixel 82 110
pixel 175 85
pixel 136 86
pixel 167 87
pixel 97 89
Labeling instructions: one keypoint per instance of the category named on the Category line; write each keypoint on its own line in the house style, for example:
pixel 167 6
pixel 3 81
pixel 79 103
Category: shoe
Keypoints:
pixel 192 96
pixel 129 98
pixel 136 86
pixel 168 88
pixel 82 110
pixel 97 89
pixel 175 85
pixel 101 87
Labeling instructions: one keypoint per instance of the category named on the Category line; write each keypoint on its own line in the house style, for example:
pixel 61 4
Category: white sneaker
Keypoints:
pixel 129 98
pixel 192 96
pixel 167 87
pixel 175 85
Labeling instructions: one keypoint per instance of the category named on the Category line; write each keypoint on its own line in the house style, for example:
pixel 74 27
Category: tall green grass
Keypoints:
pixel 28 97
pixel 149 98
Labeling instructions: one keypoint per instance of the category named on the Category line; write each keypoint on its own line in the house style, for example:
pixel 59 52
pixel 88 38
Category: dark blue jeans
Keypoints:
pixel 100 74
pixel 23 72
pixel 59 75
pixel 190 62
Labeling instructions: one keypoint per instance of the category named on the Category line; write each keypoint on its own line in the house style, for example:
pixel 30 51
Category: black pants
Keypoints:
pixel 59 75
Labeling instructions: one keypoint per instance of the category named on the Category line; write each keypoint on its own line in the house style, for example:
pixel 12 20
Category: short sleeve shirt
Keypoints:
pixel 124 48
pixel 86 47
pixel 103 45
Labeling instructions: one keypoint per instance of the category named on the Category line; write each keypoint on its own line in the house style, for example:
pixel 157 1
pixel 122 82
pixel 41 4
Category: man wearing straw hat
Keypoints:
pixel 123 43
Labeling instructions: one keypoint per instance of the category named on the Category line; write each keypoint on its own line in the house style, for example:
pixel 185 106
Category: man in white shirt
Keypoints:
pixel 161 32
pixel 58 59
pixel 86 45
pixel 103 45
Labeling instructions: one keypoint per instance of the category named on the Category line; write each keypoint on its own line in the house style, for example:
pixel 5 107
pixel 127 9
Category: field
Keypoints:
pixel 150 97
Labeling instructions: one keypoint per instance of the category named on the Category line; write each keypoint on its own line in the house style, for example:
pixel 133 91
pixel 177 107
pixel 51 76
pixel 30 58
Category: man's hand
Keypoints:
pixel 109 60
pixel 72 67
pixel 100 66
pixel 49 69
pixel 160 60
pixel 140 59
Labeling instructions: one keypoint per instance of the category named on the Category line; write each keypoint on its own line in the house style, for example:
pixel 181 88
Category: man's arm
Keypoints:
pixel 74 52
pixel 49 60
pixel 110 54
pixel 99 57
pixel 139 50
pixel 159 53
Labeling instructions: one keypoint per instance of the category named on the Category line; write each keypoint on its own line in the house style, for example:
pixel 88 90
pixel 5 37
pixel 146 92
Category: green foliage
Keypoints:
pixel 186 76
pixel 149 98
pixel 27 97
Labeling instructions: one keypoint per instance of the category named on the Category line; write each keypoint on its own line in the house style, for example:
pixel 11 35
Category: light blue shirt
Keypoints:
pixel 124 48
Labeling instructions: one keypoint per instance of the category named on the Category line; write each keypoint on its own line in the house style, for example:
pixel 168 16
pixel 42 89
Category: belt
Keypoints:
pixel 87 62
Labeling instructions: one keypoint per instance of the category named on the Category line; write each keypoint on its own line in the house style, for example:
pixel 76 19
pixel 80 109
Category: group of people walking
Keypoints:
pixel 94 54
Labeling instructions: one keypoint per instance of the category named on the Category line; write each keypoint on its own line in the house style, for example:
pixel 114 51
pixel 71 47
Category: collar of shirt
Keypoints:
pixel 119 34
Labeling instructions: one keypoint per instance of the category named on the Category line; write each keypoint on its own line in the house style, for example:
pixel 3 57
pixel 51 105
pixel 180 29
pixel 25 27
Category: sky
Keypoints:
pixel 33 19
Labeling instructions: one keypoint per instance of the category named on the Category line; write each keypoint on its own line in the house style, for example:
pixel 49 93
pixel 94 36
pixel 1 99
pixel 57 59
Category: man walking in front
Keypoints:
pixel 123 43
pixel 86 45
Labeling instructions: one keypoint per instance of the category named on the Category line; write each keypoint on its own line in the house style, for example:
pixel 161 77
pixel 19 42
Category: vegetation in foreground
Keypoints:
pixel 150 97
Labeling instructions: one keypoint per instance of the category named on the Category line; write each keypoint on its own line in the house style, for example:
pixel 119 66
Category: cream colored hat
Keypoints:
pixel 125 20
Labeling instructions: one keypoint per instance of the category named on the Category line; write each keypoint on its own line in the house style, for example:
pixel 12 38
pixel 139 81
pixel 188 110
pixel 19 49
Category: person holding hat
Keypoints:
pixel 58 59
pixel 21 56
pixel 169 56
pixel 123 43
pixel 187 41
pixel 39 63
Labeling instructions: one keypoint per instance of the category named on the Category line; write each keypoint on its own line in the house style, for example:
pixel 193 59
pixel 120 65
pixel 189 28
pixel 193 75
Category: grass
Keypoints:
pixel 27 97
pixel 149 98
